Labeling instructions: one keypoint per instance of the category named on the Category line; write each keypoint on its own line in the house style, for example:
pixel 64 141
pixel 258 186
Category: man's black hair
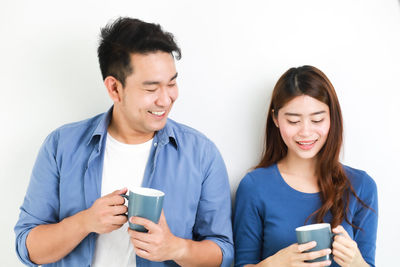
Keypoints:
pixel 125 36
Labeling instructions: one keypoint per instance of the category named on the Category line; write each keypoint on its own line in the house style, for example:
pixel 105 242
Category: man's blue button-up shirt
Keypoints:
pixel 183 163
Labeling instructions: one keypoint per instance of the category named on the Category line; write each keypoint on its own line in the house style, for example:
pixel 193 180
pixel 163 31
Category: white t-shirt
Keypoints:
pixel 123 166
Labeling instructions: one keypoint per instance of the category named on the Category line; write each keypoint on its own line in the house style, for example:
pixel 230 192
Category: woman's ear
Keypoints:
pixel 274 118
pixel 114 88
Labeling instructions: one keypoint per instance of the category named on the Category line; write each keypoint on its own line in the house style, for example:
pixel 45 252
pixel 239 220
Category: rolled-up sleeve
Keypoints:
pixel 41 202
pixel 213 220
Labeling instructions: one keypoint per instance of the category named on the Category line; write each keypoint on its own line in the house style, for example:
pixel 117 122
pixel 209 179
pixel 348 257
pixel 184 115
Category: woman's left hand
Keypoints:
pixel 345 250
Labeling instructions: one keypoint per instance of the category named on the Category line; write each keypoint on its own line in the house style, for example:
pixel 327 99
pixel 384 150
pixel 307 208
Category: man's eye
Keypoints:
pixel 151 89
pixel 171 84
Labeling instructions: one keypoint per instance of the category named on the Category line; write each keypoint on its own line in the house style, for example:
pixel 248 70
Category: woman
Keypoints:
pixel 300 180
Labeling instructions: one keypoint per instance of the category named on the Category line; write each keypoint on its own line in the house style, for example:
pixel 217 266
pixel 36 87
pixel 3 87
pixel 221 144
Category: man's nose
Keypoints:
pixel 164 97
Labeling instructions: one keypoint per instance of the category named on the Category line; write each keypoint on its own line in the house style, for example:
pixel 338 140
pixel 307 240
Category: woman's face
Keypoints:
pixel 304 124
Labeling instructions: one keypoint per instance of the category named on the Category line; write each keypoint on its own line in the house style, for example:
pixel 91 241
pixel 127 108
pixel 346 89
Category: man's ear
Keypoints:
pixel 114 88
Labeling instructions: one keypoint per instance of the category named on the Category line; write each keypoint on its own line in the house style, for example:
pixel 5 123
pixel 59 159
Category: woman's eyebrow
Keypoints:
pixel 298 115
pixel 318 112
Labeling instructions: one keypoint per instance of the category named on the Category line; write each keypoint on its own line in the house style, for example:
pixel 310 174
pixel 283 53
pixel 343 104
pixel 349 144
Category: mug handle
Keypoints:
pixel 127 198
pixel 333 235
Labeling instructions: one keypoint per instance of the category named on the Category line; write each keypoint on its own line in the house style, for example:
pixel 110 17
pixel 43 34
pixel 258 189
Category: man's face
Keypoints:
pixel 149 93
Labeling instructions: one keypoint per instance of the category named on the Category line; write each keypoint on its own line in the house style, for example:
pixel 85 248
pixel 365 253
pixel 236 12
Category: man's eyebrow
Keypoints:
pixel 298 115
pixel 174 77
pixel 158 82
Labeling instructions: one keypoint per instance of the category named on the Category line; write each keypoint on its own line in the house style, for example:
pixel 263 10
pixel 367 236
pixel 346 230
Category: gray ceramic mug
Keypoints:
pixel 146 203
pixel 320 233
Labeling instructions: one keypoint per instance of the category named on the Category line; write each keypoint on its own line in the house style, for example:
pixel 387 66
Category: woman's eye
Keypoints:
pixel 293 122
pixel 317 121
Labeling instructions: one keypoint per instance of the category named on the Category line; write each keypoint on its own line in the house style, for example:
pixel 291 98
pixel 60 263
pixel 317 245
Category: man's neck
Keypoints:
pixel 127 135
pixel 131 139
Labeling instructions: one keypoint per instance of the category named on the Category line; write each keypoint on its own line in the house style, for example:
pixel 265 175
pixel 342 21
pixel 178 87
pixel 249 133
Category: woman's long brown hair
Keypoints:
pixel 335 187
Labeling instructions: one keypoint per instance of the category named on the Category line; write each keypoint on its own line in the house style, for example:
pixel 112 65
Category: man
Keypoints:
pixel 73 212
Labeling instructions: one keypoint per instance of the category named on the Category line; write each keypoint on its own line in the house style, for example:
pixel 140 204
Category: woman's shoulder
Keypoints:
pixel 256 185
pixel 259 177
pixel 360 179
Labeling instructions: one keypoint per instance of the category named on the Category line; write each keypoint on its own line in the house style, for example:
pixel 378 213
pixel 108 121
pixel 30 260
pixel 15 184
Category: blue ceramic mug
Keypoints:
pixel 320 233
pixel 146 203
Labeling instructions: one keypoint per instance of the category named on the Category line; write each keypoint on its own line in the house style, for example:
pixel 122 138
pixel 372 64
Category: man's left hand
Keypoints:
pixel 158 244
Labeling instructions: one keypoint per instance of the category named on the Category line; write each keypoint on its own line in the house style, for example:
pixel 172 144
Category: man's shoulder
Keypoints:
pixel 184 132
pixel 79 131
pixel 190 141
pixel 82 124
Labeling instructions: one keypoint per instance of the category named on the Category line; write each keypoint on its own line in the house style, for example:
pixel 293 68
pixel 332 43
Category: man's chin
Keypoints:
pixel 157 127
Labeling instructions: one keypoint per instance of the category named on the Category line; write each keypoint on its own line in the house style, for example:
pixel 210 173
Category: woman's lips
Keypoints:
pixel 306 145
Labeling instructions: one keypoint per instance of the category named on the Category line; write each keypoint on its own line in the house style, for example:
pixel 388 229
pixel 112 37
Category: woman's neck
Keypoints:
pixel 302 168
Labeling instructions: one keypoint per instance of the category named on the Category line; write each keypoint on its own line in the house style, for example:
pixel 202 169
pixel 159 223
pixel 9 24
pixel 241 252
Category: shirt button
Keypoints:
pixel 155 144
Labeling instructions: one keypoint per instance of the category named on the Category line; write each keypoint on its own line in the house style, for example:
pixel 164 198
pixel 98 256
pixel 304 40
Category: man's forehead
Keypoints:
pixel 151 56
pixel 153 67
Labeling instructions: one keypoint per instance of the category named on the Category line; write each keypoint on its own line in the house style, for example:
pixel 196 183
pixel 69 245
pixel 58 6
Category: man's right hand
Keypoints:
pixel 49 243
pixel 107 213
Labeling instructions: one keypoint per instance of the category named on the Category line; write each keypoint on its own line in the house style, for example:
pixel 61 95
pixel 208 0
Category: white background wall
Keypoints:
pixel 233 53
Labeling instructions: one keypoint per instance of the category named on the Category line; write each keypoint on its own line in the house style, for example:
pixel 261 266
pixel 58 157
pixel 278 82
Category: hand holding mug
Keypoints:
pixel 296 255
pixel 107 213
pixel 158 244
pixel 345 250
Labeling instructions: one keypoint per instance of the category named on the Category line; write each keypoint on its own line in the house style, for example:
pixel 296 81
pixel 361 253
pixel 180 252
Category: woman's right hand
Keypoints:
pixel 293 256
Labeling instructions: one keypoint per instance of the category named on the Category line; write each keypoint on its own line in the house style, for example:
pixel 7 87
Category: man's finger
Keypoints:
pixel 162 220
pixel 119 192
pixel 119 219
pixel 115 197
pixel 139 244
pixel 142 253
pixel 144 237
pixel 149 225
pixel 119 210
pixel 115 200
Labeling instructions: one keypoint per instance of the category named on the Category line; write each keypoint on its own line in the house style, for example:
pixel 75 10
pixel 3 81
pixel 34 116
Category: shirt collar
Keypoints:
pixel 164 136
pixel 167 135
pixel 101 128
